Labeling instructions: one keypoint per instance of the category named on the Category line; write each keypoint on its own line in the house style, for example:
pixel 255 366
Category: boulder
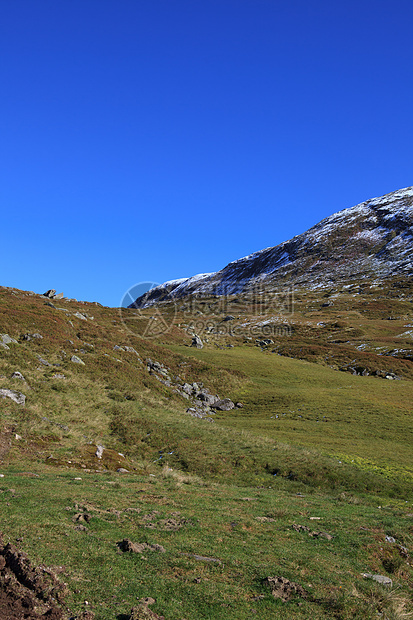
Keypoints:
pixel 50 293
pixel 59 296
pixel 6 339
pixel 17 397
pixel 197 342
pixel 385 581
pixel 223 405
pixel 208 399
pixel 18 375
pixel 76 360
pixel 80 316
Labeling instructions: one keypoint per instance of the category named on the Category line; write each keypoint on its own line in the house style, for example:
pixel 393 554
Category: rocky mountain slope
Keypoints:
pixel 371 241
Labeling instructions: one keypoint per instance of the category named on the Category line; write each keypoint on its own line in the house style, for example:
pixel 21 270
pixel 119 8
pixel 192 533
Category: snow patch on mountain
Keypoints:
pixel 370 241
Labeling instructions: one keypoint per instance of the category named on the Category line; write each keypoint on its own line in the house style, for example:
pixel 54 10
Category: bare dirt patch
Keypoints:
pixel 27 592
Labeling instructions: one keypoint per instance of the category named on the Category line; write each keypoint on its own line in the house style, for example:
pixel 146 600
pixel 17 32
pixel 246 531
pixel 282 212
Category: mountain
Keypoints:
pixel 371 241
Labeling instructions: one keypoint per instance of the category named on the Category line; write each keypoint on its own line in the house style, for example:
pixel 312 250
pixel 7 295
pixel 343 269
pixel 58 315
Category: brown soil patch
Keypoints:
pixel 28 593
pixel 284 589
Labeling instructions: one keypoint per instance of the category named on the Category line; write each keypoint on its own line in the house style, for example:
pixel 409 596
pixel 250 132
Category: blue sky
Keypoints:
pixel 145 140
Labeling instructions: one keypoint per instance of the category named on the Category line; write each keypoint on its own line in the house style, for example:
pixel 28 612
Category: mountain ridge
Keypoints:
pixel 372 240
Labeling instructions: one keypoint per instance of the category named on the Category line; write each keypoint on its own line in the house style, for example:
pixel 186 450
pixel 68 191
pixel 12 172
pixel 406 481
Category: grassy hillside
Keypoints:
pixel 230 498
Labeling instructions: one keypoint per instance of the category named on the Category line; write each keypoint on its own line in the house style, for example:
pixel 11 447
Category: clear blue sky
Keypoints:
pixel 145 140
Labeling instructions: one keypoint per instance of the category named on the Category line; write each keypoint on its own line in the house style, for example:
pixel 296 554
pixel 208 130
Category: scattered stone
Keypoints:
pixel 197 342
pixel 18 437
pixel 208 399
pixel 385 581
pixel 223 405
pixel 99 451
pixel 4 346
pixel 76 360
pixel 284 589
pixel 131 350
pixel 200 414
pixel 31 336
pixel 59 296
pixel 43 361
pixel 49 303
pixel 6 339
pixel 18 375
pixel 390 539
pixel 17 397
pixel 122 470
pixel 228 318
pixel 239 405
pixel 58 376
pixel 50 293
pixel 80 316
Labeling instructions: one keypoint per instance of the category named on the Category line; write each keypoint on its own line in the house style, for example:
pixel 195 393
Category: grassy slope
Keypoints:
pixel 113 400
pixel 339 413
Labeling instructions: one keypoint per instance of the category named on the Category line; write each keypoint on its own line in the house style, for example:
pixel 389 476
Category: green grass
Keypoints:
pixel 220 524
pixel 362 417
pixel 236 486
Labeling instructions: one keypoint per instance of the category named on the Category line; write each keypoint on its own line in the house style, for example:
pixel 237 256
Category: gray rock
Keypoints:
pixel 6 339
pixel 18 375
pixel 122 470
pixel 43 361
pixel 99 451
pixel 31 336
pixel 4 346
pixel 385 581
pixel 76 360
pixel 195 412
pixel 49 303
pixel 187 388
pixel 229 318
pixel 197 342
pixel 59 296
pixel 17 397
pixel 131 350
pixel 208 399
pixel 390 539
pixel 118 348
pixel 50 293
pixel 223 405
pixel 80 316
